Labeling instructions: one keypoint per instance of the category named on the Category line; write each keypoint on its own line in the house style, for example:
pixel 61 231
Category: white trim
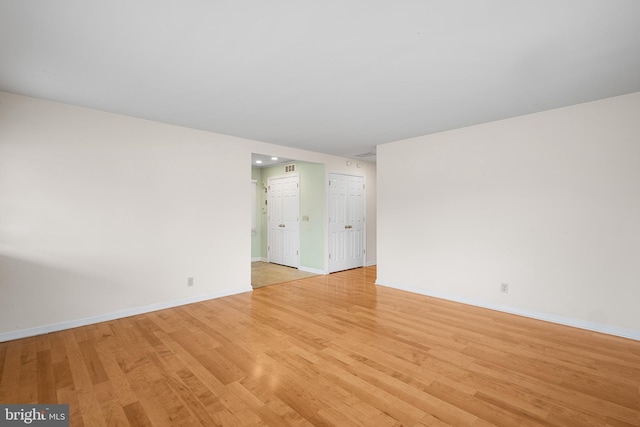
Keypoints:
pixel 553 318
pixel 45 329
pixel 257 258
pixel 311 270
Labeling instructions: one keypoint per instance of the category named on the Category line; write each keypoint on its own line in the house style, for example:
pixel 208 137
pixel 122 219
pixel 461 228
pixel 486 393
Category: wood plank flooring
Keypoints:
pixel 265 274
pixel 328 350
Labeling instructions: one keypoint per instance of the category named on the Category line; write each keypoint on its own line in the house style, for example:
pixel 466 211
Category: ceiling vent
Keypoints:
pixel 365 155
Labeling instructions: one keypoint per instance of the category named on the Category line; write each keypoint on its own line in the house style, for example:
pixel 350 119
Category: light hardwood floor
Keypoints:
pixel 265 274
pixel 328 350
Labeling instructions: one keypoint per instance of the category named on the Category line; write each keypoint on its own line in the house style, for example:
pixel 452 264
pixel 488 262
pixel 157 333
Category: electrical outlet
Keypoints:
pixel 504 288
pixel 189 281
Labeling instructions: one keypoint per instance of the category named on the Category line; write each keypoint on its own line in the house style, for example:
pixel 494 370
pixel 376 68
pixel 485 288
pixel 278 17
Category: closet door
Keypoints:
pixel 346 222
pixel 290 217
pixel 283 209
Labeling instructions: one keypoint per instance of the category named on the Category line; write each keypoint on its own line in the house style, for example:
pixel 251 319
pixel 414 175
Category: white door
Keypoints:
pixel 283 208
pixel 274 219
pixel 346 222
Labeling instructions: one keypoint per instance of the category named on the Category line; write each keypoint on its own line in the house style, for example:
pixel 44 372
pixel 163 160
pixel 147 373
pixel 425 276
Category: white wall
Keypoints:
pixel 548 203
pixel 103 215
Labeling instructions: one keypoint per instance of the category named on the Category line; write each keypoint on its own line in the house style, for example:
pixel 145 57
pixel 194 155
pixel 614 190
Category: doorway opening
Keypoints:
pixel 289 228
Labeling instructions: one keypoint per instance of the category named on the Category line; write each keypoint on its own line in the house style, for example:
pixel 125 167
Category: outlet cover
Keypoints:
pixel 504 288
pixel 190 281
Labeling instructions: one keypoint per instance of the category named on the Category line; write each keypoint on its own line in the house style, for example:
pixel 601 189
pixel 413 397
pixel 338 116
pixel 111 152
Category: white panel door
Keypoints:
pixel 290 217
pixel 355 219
pixel 283 207
pixel 338 192
pixel 274 219
pixel 346 222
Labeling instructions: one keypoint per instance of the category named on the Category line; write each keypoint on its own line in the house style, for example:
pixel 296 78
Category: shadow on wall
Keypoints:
pixel 36 294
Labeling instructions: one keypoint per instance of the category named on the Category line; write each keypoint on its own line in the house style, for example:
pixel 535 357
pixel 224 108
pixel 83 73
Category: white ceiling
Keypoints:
pixel 266 160
pixel 331 76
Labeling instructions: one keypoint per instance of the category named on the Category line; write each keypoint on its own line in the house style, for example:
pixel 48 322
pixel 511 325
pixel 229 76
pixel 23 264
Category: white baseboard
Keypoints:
pixel 553 318
pixel 257 258
pixel 45 329
pixel 311 270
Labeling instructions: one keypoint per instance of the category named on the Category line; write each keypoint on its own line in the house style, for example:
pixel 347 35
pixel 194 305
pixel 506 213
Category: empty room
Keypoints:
pixel 410 213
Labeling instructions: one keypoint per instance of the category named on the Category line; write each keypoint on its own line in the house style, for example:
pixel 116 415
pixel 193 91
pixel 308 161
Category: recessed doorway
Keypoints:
pixel 271 239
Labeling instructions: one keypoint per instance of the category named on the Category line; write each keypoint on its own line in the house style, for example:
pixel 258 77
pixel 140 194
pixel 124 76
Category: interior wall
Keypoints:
pixel 312 217
pixel 547 203
pixel 103 215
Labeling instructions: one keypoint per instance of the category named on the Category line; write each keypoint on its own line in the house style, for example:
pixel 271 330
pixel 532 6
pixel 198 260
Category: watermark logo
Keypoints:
pixel 34 415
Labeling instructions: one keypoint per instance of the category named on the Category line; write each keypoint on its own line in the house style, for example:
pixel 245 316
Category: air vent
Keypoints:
pixel 290 168
pixel 365 155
